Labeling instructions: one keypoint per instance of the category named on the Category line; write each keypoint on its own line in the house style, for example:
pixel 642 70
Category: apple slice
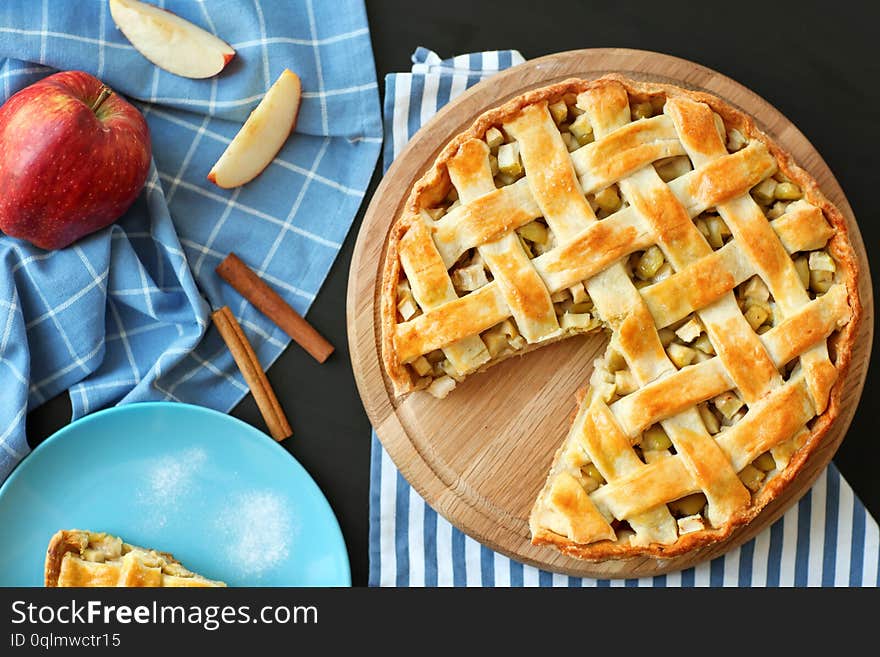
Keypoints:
pixel 170 42
pixel 261 136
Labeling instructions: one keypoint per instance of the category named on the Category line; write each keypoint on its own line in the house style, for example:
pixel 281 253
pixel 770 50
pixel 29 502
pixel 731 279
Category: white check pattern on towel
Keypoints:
pixel 122 316
pixel 827 539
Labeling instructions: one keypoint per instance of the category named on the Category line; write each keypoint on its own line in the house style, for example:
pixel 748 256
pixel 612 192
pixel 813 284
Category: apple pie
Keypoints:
pixel 84 558
pixel 725 278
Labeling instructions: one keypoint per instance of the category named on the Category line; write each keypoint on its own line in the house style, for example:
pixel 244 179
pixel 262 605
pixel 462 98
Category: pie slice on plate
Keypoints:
pixel 664 216
pixel 84 558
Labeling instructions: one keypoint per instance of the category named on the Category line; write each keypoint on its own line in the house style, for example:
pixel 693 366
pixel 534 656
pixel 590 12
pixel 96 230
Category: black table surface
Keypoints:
pixel 817 63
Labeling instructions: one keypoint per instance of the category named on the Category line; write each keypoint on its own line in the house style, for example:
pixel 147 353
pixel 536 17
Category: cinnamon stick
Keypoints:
pixel 267 301
pixel 253 373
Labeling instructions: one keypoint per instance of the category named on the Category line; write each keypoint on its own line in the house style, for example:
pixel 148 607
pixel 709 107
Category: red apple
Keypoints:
pixel 73 158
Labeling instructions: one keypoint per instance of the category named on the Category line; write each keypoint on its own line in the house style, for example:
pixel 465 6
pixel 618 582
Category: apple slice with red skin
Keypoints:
pixel 261 136
pixel 169 41
pixel 73 158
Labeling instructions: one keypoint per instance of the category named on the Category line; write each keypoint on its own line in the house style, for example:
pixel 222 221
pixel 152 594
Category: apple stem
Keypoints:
pixel 104 95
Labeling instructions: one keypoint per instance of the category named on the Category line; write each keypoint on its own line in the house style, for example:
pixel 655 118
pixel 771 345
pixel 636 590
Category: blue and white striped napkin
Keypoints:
pixel 122 316
pixel 827 539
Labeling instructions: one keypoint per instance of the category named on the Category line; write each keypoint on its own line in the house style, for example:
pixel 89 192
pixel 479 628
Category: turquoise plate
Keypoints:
pixel 224 498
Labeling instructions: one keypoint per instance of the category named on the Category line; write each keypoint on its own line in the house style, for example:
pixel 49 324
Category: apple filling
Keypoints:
pixel 777 197
pixel 104 548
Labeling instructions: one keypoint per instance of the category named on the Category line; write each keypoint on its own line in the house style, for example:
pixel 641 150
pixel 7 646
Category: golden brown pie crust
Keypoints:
pixel 433 187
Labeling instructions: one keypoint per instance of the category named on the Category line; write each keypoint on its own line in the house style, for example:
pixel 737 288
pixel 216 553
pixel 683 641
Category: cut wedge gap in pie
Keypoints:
pixel 725 278
pixel 77 558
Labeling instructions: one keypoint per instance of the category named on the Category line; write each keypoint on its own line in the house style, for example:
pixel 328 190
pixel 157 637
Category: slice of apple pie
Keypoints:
pixel 78 558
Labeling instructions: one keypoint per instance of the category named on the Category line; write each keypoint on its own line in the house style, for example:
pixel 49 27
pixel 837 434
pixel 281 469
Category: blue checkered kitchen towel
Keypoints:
pixel 827 539
pixel 122 315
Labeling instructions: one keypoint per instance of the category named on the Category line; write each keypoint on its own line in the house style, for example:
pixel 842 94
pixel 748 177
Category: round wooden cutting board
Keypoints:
pixel 480 456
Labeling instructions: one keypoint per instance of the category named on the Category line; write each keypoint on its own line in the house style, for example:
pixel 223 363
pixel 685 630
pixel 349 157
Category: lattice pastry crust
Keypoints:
pixel 726 278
